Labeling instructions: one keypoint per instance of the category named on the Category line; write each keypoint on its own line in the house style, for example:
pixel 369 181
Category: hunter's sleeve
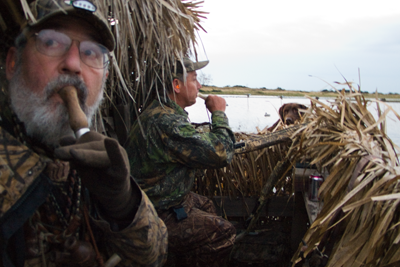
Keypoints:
pixel 214 149
pixel 142 243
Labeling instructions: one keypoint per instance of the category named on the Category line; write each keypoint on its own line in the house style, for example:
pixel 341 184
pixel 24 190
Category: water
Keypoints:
pixel 247 113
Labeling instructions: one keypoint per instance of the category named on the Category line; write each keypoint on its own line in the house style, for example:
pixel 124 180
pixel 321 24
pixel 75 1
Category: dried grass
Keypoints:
pixel 358 225
pixel 359 222
pixel 248 172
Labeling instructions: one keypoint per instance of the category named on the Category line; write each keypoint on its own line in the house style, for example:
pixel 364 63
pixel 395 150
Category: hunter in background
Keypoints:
pixel 164 160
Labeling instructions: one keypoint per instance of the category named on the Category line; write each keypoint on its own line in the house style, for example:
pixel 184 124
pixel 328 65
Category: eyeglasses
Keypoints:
pixel 55 44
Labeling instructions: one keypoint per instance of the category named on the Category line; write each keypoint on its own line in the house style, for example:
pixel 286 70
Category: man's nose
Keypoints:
pixel 72 61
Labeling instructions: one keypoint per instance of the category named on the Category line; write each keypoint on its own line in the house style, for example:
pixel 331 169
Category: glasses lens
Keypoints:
pixel 52 43
pixel 93 54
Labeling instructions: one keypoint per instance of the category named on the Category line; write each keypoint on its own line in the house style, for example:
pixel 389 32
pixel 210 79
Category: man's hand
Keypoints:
pixel 214 103
pixel 103 166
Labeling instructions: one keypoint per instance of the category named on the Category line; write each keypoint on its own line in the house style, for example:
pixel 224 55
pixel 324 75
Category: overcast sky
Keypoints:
pixel 265 43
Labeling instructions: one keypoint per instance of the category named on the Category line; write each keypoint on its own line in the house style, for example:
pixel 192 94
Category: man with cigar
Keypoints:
pixel 67 201
pixel 164 161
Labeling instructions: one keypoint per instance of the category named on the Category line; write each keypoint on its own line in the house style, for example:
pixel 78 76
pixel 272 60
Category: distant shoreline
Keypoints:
pixel 242 90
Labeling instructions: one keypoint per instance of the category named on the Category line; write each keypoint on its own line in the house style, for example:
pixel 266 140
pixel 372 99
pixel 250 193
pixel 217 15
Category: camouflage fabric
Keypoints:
pixel 209 240
pixel 18 168
pixel 142 243
pixel 164 162
pixel 165 159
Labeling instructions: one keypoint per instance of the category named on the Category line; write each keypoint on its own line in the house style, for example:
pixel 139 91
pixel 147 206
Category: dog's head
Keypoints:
pixel 290 113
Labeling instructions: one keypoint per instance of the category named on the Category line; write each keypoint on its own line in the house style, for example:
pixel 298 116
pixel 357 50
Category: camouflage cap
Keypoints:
pixel 189 66
pixel 192 66
pixel 43 10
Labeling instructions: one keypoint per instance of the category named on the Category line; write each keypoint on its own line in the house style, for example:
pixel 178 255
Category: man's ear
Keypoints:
pixel 176 86
pixel 107 72
pixel 10 62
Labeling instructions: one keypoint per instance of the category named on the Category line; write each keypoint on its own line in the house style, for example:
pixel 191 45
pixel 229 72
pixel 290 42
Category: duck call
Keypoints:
pixel 202 96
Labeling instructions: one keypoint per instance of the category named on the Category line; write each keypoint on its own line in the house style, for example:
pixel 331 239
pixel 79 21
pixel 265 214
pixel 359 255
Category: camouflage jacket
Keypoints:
pixel 164 160
pixel 24 195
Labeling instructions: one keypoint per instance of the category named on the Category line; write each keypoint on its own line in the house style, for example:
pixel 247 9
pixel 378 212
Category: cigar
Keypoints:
pixel 202 96
pixel 77 118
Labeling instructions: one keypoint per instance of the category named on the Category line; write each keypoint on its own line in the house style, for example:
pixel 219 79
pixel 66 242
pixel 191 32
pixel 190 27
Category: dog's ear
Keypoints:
pixel 302 107
pixel 281 111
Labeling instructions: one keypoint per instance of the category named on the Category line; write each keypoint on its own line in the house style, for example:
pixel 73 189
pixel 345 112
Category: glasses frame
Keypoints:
pixel 108 54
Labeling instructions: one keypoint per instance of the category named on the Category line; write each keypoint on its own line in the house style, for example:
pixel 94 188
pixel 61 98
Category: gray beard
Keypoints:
pixel 41 122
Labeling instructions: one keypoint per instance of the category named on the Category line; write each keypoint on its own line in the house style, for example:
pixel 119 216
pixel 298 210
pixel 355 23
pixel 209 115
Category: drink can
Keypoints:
pixel 315 184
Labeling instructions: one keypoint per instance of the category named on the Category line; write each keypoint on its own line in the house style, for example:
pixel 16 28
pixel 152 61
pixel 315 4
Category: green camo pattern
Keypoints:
pixel 164 160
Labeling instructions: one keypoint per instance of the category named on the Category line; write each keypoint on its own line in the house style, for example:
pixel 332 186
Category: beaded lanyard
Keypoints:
pixel 73 193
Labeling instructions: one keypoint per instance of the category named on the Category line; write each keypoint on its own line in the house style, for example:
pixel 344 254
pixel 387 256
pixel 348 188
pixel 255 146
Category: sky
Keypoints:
pixel 302 44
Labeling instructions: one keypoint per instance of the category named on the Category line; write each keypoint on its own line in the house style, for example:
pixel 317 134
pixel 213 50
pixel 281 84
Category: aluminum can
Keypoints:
pixel 313 189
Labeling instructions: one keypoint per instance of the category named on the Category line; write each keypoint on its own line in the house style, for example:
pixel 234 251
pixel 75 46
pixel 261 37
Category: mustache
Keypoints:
pixel 64 80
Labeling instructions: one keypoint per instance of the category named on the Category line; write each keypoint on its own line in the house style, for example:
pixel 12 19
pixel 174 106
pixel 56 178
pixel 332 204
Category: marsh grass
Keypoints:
pixel 248 172
pixel 359 222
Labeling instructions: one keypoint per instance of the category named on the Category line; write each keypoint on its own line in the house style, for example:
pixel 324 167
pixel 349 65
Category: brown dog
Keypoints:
pixel 289 113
